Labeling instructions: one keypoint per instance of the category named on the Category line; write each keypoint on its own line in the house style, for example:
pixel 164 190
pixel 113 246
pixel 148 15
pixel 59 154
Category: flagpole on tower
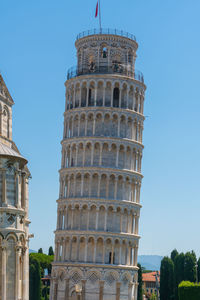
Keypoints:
pixel 99 15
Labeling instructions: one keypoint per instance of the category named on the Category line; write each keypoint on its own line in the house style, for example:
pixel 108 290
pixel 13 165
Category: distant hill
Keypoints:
pixel 32 251
pixel 150 262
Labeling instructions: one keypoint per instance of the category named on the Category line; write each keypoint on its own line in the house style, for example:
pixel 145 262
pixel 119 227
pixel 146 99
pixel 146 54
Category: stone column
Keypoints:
pixel 130 291
pixel 97 219
pixel 94 125
pixel 23 190
pixel 127 96
pixel 95 95
pixel 135 290
pixel 86 248
pixel 120 254
pixel 74 97
pixel 115 191
pixel 118 284
pixel 103 255
pixel 25 273
pixel 4 196
pixel 17 188
pixel 76 158
pixel 100 156
pixel 83 289
pixel 99 186
pixel 3 283
pixel 117 157
pixel 118 127
pixel 87 97
pixel 86 123
pixel 84 146
pixel 95 249
pixel 133 99
pixel 79 120
pixel 92 154
pixel 111 103
pixel 55 289
pixel 72 217
pixel 101 288
pixel 66 288
pixel 82 184
pixel 80 96
pixel 120 97
pixel 104 94
pixel 105 221
pixel 17 276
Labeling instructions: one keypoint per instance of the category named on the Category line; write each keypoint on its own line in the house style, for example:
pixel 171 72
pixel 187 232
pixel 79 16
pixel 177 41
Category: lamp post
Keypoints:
pixel 78 289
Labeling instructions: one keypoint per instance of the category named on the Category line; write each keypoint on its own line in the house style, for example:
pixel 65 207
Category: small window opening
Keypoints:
pixel 105 52
pixel 110 256
pixel 116 97
pixel 90 97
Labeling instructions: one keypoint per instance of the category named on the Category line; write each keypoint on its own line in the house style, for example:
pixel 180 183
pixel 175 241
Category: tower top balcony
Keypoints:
pixel 106 51
pixel 102 31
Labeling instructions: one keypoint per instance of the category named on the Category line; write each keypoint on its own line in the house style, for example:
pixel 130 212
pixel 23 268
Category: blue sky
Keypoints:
pixel 37 48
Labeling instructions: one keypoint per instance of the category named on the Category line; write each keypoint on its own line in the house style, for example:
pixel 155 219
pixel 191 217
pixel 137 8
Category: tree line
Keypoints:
pixel 39 263
pixel 175 269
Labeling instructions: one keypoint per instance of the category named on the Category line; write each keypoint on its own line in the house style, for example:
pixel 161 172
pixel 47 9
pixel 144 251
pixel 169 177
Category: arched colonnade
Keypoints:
pixel 100 185
pixel 98 218
pixel 103 250
pixel 103 123
pixel 106 93
pixel 103 154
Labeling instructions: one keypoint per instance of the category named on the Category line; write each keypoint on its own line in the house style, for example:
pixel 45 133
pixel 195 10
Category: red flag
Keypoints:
pixel 97 6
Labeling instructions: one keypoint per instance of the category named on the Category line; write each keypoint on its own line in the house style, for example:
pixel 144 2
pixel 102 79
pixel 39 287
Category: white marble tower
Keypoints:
pixel 96 240
pixel 14 222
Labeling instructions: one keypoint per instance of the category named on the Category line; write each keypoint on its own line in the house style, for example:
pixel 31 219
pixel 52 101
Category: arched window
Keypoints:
pixel 116 97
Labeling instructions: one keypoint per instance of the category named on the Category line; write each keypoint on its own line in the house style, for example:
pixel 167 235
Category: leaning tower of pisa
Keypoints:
pixel 96 239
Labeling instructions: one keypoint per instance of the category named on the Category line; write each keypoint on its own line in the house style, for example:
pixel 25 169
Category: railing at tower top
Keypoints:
pixel 106 31
pixel 115 68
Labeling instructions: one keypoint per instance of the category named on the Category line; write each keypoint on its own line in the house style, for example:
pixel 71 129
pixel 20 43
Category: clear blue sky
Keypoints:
pixel 37 48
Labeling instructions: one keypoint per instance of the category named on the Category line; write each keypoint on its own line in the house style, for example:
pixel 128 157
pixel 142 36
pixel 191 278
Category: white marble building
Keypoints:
pixel 96 239
pixel 14 222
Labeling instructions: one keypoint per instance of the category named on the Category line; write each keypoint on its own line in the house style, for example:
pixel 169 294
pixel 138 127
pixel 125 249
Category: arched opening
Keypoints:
pixel 116 97
pixel 104 52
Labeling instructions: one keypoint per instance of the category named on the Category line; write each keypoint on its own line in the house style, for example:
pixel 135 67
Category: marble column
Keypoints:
pixel 118 284
pixel 4 196
pixel 66 288
pixel 83 289
pixel 55 289
pixel 130 291
pixel 3 283
pixel 17 276
pixel 101 288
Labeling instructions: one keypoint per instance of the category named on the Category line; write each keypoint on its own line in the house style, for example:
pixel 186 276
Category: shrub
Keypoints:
pixel 189 291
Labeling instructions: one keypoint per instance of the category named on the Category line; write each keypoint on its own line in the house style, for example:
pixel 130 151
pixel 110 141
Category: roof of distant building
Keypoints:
pixel 151 276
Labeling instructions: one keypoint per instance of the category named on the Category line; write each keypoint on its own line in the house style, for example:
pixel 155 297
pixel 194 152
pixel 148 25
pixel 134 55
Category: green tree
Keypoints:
pixel 35 279
pixel 189 267
pixel 178 272
pixel 51 251
pixel 153 297
pixel 167 279
pixel 174 253
pixel 198 270
pixel 44 261
pixel 139 295
pixel 40 250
